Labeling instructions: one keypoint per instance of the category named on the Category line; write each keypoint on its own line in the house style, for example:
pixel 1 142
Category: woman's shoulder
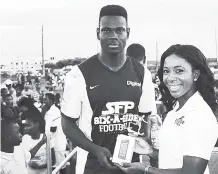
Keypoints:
pixel 203 115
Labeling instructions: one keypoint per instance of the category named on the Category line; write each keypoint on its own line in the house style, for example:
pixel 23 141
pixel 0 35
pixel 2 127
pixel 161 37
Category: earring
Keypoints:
pixel 195 80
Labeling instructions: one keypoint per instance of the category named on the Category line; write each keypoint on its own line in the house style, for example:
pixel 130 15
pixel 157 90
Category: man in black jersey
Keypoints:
pixel 105 94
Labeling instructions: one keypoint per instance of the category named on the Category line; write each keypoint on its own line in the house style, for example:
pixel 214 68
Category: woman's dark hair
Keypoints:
pixel 205 82
pixel 25 101
pixel 35 116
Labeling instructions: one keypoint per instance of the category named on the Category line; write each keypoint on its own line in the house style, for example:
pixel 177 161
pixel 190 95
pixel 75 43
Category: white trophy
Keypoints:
pixel 125 145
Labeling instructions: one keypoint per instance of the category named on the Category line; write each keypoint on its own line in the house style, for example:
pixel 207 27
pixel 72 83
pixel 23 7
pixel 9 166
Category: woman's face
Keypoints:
pixel 30 127
pixel 178 76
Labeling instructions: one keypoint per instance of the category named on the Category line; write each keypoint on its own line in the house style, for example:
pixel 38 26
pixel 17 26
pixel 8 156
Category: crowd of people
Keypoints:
pixel 114 93
pixel 26 110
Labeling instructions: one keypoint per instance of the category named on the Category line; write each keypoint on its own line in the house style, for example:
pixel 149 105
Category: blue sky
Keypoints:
pixel 70 26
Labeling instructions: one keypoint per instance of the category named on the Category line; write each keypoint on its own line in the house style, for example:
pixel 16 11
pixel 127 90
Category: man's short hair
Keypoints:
pixel 113 10
pixel 136 51
pixel 34 115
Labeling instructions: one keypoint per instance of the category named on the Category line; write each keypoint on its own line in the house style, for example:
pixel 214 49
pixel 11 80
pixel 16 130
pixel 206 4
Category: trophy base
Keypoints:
pixel 124 148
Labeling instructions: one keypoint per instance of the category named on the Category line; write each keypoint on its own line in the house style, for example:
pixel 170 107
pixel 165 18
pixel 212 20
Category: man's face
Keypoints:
pixel 4 92
pixel 113 34
pixel 47 101
pixel 26 86
pixel 14 137
pixel 37 86
pixel 9 101
pixel 18 90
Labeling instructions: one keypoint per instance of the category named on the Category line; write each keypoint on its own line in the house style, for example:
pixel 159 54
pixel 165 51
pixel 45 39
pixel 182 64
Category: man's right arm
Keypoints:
pixel 76 136
pixel 73 96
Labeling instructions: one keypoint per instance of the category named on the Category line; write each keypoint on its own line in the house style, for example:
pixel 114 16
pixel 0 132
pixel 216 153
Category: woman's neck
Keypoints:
pixel 183 99
pixel 36 136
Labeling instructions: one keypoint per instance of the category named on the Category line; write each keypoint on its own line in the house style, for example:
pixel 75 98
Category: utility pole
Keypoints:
pixel 156 56
pixel 43 60
pixel 216 47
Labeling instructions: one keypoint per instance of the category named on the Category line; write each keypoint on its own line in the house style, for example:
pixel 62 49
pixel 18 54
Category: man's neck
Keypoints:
pixel 113 62
pixel 7 148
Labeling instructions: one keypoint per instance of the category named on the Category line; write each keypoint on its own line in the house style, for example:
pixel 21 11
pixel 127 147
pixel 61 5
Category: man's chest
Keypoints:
pixel 111 87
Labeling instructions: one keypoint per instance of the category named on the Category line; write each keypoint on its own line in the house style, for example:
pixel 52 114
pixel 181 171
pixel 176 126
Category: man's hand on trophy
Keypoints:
pixel 104 157
pixel 142 147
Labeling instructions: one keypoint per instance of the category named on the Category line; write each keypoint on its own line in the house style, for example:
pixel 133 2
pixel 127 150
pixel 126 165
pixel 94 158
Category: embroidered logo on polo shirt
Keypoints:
pixel 133 84
pixel 179 121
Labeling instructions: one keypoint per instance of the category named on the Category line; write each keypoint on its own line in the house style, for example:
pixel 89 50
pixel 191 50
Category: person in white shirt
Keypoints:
pixel 53 117
pixel 189 131
pixel 27 91
pixel 34 128
pixel 14 158
pixel 11 90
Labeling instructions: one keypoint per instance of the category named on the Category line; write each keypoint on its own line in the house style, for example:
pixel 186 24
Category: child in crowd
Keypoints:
pixel 34 127
pixel 4 92
pixel 14 159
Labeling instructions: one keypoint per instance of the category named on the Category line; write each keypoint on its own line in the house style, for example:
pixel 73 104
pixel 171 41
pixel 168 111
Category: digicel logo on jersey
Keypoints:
pixel 116 118
pixel 133 84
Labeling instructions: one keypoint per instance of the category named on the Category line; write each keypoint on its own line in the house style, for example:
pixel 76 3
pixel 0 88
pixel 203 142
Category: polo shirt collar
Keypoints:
pixel 190 104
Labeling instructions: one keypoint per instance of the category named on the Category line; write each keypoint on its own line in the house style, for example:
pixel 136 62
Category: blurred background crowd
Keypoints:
pixel 33 101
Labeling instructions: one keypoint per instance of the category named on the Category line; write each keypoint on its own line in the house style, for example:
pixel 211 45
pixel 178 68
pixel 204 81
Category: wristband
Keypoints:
pixel 146 169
